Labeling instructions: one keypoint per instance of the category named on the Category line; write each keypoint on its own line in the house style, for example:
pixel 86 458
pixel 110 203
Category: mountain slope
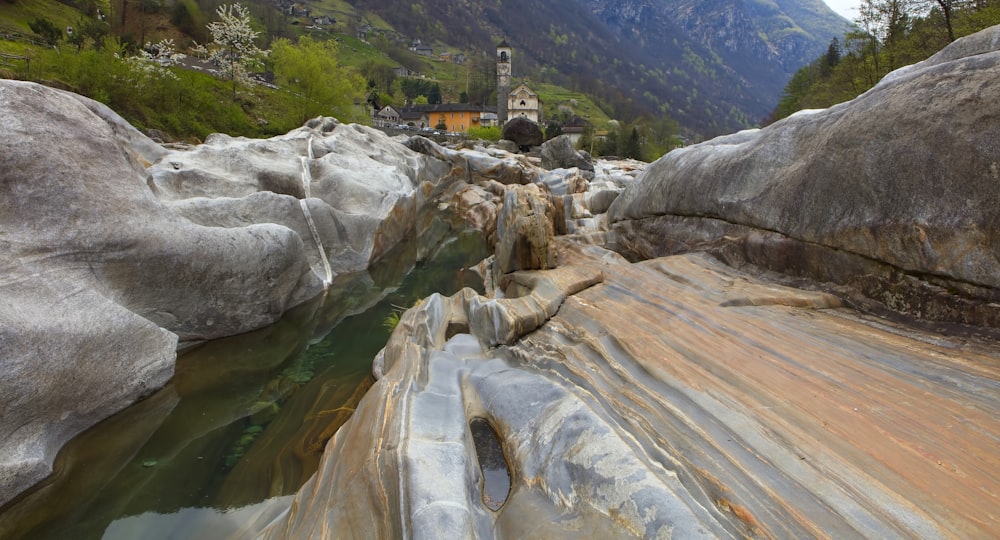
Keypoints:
pixel 713 65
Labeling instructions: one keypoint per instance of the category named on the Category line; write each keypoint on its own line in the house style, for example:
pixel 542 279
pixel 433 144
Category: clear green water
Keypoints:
pixel 245 418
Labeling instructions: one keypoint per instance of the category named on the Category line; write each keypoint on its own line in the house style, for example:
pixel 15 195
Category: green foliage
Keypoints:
pixel 644 140
pixel 553 130
pixel 47 30
pixel 412 88
pixel 890 34
pixel 189 18
pixel 318 84
pixel 486 133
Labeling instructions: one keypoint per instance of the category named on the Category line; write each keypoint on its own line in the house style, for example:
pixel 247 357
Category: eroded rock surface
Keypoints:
pixel 117 251
pixel 676 397
pixel 893 194
pixel 558 153
pixel 682 397
pixel 100 279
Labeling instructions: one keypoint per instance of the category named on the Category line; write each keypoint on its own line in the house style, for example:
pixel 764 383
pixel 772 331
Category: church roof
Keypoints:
pixel 517 89
pixel 503 44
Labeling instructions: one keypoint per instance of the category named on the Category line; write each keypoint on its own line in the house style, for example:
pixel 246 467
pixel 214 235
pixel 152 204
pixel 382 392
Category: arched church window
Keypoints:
pixel 522 103
pixel 503 56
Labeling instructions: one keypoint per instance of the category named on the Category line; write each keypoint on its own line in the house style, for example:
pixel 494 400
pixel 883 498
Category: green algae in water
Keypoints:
pixel 178 448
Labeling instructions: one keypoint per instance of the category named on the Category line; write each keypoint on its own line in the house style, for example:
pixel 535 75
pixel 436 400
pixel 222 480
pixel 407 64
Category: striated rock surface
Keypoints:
pixel 100 280
pixel 117 251
pixel 679 396
pixel 675 397
pixel 893 194
pixel 525 231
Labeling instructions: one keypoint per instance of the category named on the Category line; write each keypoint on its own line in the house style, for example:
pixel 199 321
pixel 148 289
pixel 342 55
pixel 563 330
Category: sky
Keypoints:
pixel 847 9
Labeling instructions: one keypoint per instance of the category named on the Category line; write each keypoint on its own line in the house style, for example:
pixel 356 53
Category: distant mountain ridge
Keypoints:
pixel 713 65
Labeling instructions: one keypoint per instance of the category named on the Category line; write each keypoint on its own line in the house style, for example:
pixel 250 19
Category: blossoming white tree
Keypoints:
pixel 233 46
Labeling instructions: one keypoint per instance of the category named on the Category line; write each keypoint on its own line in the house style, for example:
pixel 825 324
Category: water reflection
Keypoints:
pixel 245 418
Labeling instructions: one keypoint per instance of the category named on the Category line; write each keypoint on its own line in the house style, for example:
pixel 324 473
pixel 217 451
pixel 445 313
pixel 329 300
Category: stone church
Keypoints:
pixel 522 101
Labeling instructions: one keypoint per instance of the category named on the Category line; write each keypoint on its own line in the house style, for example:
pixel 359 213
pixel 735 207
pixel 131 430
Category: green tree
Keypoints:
pixel 412 88
pixel 311 71
pixel 234 47
pixel 553 130
pixel 46 29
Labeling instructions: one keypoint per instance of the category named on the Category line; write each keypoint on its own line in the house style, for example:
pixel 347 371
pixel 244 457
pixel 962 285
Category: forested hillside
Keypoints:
pixel 714 66
pixel 697 67
pixel 888 35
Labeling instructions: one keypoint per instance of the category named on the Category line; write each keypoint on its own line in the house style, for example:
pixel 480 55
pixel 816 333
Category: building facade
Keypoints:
pixel 524 102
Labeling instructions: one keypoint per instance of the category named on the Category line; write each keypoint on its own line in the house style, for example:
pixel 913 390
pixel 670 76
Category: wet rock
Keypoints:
pixel 712 418
pixel 101 279
pixel 891 193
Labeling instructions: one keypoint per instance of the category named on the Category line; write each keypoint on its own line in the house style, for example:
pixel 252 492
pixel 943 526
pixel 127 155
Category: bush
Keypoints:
pixel 487 133
pixel 47 30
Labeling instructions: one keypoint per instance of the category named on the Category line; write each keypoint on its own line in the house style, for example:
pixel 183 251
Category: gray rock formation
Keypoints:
pixel 525 231
pixel 680 397
pixel 523 132
pixel 558 153
pixel 117 251
pixel 893 194
pixel 100 279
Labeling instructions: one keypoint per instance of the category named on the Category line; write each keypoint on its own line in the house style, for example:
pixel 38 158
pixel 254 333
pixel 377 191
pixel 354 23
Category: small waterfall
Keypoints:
pixel 306 183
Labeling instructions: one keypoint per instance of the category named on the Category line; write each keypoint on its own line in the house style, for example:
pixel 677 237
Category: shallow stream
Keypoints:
pixel 244 420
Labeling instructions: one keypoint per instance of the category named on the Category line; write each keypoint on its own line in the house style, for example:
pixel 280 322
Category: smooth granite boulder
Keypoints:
pixel 894 193
pixel 349 191
pixel 117 251
pixel 101 280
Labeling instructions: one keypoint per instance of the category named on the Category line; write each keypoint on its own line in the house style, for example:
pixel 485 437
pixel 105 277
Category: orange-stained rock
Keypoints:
pixel 677 396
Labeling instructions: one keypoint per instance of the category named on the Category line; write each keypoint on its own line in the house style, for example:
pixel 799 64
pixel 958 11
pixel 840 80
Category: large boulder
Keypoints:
pixel 558 153
pixel 523 132
pixel 893 194
pixel 100 279
pixel 525 231
pixel 116 251
pixel 349 191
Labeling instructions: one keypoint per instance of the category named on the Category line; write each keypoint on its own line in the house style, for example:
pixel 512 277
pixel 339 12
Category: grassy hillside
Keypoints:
pixel 15 16
pixel 188 105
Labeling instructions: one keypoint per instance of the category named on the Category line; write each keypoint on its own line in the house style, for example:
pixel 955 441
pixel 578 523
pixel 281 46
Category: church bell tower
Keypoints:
pixel 503 80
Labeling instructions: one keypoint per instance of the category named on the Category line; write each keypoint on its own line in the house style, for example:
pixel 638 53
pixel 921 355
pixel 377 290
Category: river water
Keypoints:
pixel 244 420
